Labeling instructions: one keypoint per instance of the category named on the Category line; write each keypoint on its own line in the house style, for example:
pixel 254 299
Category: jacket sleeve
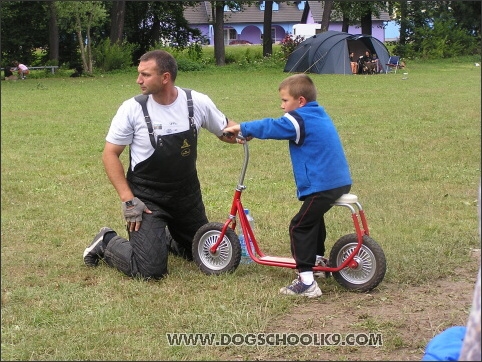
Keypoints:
pixel 270 128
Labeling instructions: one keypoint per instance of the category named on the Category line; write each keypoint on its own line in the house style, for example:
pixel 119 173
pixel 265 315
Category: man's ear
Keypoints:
pixel 302 101
pixel 166 77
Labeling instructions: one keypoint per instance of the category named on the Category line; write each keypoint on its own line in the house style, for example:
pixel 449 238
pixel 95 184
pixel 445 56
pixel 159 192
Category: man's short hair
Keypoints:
pixel 164 60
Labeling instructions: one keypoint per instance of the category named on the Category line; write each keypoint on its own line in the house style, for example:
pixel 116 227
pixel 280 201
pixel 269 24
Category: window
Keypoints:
pixel 233 7
pixel 229 34
pixel 273 35
pixel 275 6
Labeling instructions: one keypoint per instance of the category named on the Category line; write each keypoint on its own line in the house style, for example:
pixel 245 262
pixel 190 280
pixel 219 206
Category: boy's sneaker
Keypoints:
pixel 297 287
pixel 321 261
pixel 95 250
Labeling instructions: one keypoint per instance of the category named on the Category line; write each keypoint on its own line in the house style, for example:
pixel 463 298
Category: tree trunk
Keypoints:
pixel 403 22
pixel 156 30
pixel 325 20
pixel 366 23
pixel 89 46
pixel 267 36
pixel 117 21
pixel 345 24
pixel 53 34
pixel 80 38
pixel 219 53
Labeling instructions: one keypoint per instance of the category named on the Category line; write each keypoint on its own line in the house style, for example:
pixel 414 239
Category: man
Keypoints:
pixel 161 187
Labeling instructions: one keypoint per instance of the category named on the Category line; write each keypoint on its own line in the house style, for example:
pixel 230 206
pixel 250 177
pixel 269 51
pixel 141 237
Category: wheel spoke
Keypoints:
pixel 221 258
pixel 366 264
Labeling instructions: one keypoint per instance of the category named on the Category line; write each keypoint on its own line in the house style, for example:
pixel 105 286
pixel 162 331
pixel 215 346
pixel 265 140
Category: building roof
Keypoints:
pixel 288 12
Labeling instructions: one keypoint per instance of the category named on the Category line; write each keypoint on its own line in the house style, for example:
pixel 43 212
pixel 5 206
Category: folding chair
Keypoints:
pixel 393 63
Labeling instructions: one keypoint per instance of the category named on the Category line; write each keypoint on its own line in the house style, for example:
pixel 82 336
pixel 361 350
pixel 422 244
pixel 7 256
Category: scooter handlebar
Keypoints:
pixel 230 135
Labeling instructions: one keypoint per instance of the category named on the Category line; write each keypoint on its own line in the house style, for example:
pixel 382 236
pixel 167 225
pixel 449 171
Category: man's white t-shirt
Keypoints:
pixel 129 127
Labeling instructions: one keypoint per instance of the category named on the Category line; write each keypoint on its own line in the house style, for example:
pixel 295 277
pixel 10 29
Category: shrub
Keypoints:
pixel 289 43
pixel 109 56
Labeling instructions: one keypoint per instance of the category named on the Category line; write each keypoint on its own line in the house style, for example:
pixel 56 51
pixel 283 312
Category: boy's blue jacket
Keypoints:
pixel 317 155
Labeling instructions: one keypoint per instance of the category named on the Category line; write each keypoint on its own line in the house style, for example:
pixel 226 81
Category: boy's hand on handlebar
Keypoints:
pixel 235 132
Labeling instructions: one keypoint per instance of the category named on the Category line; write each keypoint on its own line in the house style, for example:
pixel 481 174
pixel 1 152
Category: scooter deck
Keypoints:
pixel 278 259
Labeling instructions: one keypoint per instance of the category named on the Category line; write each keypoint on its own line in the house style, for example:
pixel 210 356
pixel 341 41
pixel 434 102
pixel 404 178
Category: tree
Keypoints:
pixel 345 8
pixel 20 38
pixel 150 23
pixel 358 12
pixel 117 16
pixel 267 21
pixel 325 20
pixel 81 16
pixel 219 53
pixel 53 34
pixel 435 29
pixel 366 10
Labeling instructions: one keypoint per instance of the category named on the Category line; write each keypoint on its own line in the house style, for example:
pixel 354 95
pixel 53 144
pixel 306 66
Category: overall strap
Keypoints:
pixel 190 110
pixel 142 100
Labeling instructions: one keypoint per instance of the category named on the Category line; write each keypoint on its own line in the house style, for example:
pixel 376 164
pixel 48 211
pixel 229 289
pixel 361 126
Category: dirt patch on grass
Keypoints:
pixel 407 317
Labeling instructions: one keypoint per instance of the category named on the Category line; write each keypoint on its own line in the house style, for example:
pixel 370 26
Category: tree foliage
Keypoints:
pixel 80 17
pixel 427 28
pixel 20 38
pixel 438 29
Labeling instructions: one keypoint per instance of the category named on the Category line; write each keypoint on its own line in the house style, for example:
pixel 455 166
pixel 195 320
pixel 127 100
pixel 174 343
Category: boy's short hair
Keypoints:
pixel 299 85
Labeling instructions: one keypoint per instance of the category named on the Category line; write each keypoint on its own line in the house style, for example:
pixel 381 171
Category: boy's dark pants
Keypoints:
pixel 307 228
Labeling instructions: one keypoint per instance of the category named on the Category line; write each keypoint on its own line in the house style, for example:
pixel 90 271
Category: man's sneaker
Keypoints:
pixel 95 250
pixel 297 287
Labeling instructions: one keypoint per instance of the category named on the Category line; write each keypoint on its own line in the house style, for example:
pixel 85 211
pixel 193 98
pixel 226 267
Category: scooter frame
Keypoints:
pixel 356 260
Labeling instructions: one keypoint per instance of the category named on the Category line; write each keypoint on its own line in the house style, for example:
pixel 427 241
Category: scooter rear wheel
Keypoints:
pixel 370 258
pixel 227 256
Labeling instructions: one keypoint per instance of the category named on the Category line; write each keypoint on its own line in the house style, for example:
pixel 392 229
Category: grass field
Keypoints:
pixel 414 150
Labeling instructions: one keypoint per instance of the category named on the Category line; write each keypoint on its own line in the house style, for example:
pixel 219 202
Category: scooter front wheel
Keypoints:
pixel 370 261
pixel 227 256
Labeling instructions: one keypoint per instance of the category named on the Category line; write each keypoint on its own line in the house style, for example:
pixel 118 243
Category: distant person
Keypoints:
pixel 9 74
pixel 353 63
pixel 367 57
pixel 21 69
pixel 376 61
pixel 320 170
pixel 369 67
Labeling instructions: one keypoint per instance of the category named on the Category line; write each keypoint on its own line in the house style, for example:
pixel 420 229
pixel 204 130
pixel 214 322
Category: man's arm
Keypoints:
pixel 115 170
pixel 228 139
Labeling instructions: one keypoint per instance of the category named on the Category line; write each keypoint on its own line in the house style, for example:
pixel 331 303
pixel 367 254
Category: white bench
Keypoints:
pixel 51 67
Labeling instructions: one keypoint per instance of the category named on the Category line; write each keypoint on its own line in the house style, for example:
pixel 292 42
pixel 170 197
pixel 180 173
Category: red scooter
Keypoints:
pixel 357 262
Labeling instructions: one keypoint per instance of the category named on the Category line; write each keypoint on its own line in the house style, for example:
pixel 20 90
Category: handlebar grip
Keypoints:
pixel 231 134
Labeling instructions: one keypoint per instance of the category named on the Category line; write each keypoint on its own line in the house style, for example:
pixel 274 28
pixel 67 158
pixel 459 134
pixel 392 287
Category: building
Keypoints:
pixel 246 25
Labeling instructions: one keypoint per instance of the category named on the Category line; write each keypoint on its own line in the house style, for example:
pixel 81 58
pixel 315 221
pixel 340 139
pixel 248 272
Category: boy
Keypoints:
pixel 320 169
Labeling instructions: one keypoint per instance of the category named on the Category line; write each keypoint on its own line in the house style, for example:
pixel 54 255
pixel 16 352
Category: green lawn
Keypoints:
pixel 414 150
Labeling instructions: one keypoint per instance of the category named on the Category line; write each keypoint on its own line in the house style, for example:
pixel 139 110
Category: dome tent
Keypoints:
pixel 329 53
